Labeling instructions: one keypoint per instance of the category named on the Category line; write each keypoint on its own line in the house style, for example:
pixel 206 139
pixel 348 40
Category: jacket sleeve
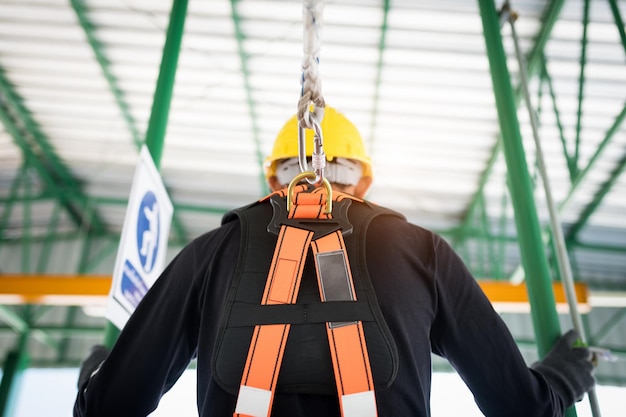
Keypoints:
pixel 475 340
pixel 155 346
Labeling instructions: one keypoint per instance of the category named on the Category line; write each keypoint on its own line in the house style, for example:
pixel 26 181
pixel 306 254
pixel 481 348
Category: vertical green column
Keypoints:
pixel 534 260
pixel 15 363
pixel 543 309
pixel 157 125
pixel 155 135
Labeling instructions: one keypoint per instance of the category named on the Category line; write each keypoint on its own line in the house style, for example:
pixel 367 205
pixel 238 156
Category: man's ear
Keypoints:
pixel 274 184
pixel 362 186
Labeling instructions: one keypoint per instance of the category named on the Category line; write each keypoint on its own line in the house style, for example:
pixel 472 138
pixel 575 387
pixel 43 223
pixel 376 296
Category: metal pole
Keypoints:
pixel 563 261
pixel 155 135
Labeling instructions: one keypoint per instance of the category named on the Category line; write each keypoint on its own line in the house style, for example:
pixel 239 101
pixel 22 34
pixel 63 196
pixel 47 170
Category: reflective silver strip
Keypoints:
pixel 334 280
pixel 253 401
pixel 361 404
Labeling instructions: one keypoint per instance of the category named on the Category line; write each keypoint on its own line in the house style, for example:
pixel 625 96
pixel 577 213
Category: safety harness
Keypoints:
pixel 305 226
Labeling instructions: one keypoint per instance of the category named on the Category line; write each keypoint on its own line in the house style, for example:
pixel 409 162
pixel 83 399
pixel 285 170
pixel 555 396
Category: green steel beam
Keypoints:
pixel 608 327
pixel 26 224
pixel 46 250
pixel 602 192
pixel 582 174
pixel 35 312
pixel 581 82
pixel 474 234
pixel 541 297
pixel 157 125
pixel 571 165
pixel 482 182
pixel 179 228
pixel 82 331
pixel 13 319
pixel 550 16
pixel 491 251
pixel 597 337
pixel 245 72
pixel 14 198
pixel 20 325
pixel 81 12
pixel 619 22
pixel 63 236
pixel 103 254
pixel 177 206
pixel 159 115
pixel 480 227
pixel 15 108
pixel 47 178
pixel 33 143
pixel 44 338
pixel 72 311
pixel 10 202
pixel 504 203
pixel 599 248
pixel 382 45
pixel 608 137
pixel 70 319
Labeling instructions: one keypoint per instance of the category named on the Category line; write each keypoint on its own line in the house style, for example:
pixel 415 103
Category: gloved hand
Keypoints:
pixel 568 368
pixel 97 355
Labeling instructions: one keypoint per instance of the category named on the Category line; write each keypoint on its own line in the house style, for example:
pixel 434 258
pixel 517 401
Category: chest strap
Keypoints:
pixel 297 233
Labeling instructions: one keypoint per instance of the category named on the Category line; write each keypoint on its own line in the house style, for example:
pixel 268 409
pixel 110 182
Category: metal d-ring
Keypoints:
pixel 307 175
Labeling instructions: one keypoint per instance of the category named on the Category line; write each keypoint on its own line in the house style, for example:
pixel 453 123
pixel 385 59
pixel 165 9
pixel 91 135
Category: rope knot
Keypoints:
pixel 312 14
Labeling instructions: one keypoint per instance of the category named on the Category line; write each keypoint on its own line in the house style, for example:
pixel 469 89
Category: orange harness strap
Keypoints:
pixel 353 374
pixel 350 359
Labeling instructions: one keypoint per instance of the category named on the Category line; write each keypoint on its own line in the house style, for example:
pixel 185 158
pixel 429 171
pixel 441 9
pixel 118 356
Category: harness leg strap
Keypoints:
pixel 353 374
pixel 265 355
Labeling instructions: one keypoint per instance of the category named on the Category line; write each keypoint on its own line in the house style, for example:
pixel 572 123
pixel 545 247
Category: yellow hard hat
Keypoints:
pixel 341 140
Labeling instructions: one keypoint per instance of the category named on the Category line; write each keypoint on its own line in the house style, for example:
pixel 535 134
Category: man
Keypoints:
pixel 413 293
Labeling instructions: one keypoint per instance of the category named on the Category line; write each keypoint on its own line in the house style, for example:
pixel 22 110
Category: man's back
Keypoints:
pixel 427 297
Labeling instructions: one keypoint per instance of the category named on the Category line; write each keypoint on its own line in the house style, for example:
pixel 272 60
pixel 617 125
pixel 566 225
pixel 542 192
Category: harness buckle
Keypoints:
pixel 319 227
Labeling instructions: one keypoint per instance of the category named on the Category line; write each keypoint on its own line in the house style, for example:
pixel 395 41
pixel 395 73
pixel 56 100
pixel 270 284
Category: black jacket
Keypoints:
pixel 429 300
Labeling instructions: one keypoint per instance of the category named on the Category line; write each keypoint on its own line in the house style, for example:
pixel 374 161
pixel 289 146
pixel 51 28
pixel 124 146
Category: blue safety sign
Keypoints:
pixel 143 244
pixel 133 286
pixel 148 231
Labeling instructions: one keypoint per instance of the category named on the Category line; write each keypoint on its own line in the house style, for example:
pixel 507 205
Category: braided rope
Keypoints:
pixel 312 13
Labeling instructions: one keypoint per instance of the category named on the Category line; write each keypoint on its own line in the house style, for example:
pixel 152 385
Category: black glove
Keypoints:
pixel 97 355
pixel 568 368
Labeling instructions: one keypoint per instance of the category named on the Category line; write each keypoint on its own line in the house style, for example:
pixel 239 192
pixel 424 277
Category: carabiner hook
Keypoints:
pixel 318 158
